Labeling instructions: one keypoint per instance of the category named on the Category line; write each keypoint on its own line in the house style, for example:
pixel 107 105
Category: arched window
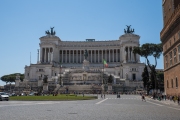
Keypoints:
pixel 176 82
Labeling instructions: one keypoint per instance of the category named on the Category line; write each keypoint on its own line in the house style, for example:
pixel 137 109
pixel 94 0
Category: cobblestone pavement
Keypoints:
pixel 128 107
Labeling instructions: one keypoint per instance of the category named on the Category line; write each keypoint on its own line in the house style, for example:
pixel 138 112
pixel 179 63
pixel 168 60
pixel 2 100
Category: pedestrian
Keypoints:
pixel 178 99
pixel 104 95
pixel 164 97
pixel 173 98
pixel 143 98
pixel 101 95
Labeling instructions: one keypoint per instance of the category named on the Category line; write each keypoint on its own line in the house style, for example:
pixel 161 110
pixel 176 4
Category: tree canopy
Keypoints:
pixel 146 50
pixel 11 77
pixel 149 49
pixel 110 79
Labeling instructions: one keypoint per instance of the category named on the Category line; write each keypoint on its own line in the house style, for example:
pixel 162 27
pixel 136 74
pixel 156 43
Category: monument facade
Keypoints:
pixel 71 63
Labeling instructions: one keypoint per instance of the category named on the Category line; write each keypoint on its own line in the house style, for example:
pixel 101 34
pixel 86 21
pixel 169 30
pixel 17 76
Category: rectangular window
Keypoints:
pixel 170 55
pixel 175 59
pixel 166 61
pixel 40 70
pixel 134 76
pixel 176 83
pixel 179 52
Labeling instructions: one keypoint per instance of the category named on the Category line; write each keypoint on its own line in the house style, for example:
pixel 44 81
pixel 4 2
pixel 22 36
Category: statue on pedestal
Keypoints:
pixel 86 54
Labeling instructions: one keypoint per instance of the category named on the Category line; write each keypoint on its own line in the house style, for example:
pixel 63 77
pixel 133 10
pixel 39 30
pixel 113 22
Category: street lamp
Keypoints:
pixel 60 83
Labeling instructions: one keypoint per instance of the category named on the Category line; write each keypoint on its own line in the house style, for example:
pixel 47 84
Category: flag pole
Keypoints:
pixel 103 77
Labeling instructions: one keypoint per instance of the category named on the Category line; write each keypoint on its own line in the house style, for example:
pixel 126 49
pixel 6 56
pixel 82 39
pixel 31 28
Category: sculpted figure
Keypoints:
pixel 85 54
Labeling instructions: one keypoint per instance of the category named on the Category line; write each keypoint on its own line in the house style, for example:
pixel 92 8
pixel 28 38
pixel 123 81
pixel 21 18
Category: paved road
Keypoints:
pixel 128 107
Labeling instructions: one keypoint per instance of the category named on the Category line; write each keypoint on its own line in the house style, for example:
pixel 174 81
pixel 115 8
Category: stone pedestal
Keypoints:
pixel 17 83
pixel 85 65
pixel 40 83
pixel 45 87
pixel 127 82
pixel 109 88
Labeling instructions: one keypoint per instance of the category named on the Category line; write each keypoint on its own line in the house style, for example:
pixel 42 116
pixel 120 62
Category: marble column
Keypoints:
pixel 116 55
pixel 41 55
pixel 128 54
pixel 102 56
pixel 80 55
pixel 113 55
pixel 132 54
pixel 109 55
pixel 91 56
pixel 51 56
pixel 76 56
pixel 69 56
pixel 94 56
pixel 73 56
pixel 45 55
pixel 98 56
pixel 62 56
pixel 106 55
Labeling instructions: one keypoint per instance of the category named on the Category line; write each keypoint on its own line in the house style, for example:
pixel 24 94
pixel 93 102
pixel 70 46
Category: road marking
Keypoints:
pixel 101 101
pixel 174 108
pixel 154 103
pixel 29 103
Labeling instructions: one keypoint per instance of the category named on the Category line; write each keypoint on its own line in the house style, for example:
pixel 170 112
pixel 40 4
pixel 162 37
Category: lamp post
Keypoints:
pixel 60 83
pixel 121 74
pixel 123 87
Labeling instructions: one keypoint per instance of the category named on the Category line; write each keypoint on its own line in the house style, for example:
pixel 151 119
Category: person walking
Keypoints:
pixel 143 98
pixel 178 99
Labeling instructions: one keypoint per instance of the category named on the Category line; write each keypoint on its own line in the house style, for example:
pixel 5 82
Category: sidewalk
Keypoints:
pixel 168 102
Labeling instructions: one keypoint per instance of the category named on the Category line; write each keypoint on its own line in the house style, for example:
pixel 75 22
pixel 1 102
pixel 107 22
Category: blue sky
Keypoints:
pixel 23 22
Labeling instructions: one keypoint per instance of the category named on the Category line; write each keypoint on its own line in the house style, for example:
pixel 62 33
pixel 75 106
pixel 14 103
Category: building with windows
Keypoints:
pixel 63 62
pixel 170 37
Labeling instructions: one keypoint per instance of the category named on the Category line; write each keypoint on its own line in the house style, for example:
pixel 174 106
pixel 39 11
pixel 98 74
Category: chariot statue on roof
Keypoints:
pixel 128 29
pixel 50 33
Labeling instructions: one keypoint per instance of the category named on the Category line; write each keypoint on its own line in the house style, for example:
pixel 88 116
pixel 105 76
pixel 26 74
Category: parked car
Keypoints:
pixel 14 94
pixel 32 94
pixel 4 96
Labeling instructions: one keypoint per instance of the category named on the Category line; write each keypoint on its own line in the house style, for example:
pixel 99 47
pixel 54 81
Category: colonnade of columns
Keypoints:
pixel 130 56
pixel 46 54
pixel 94 56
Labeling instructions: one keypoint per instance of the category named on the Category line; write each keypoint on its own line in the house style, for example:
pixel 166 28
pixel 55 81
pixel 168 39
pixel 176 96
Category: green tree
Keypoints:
pixel 11 77
pixel 150 49
pixel 110 79
pixel 160 80
pixel 145 76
